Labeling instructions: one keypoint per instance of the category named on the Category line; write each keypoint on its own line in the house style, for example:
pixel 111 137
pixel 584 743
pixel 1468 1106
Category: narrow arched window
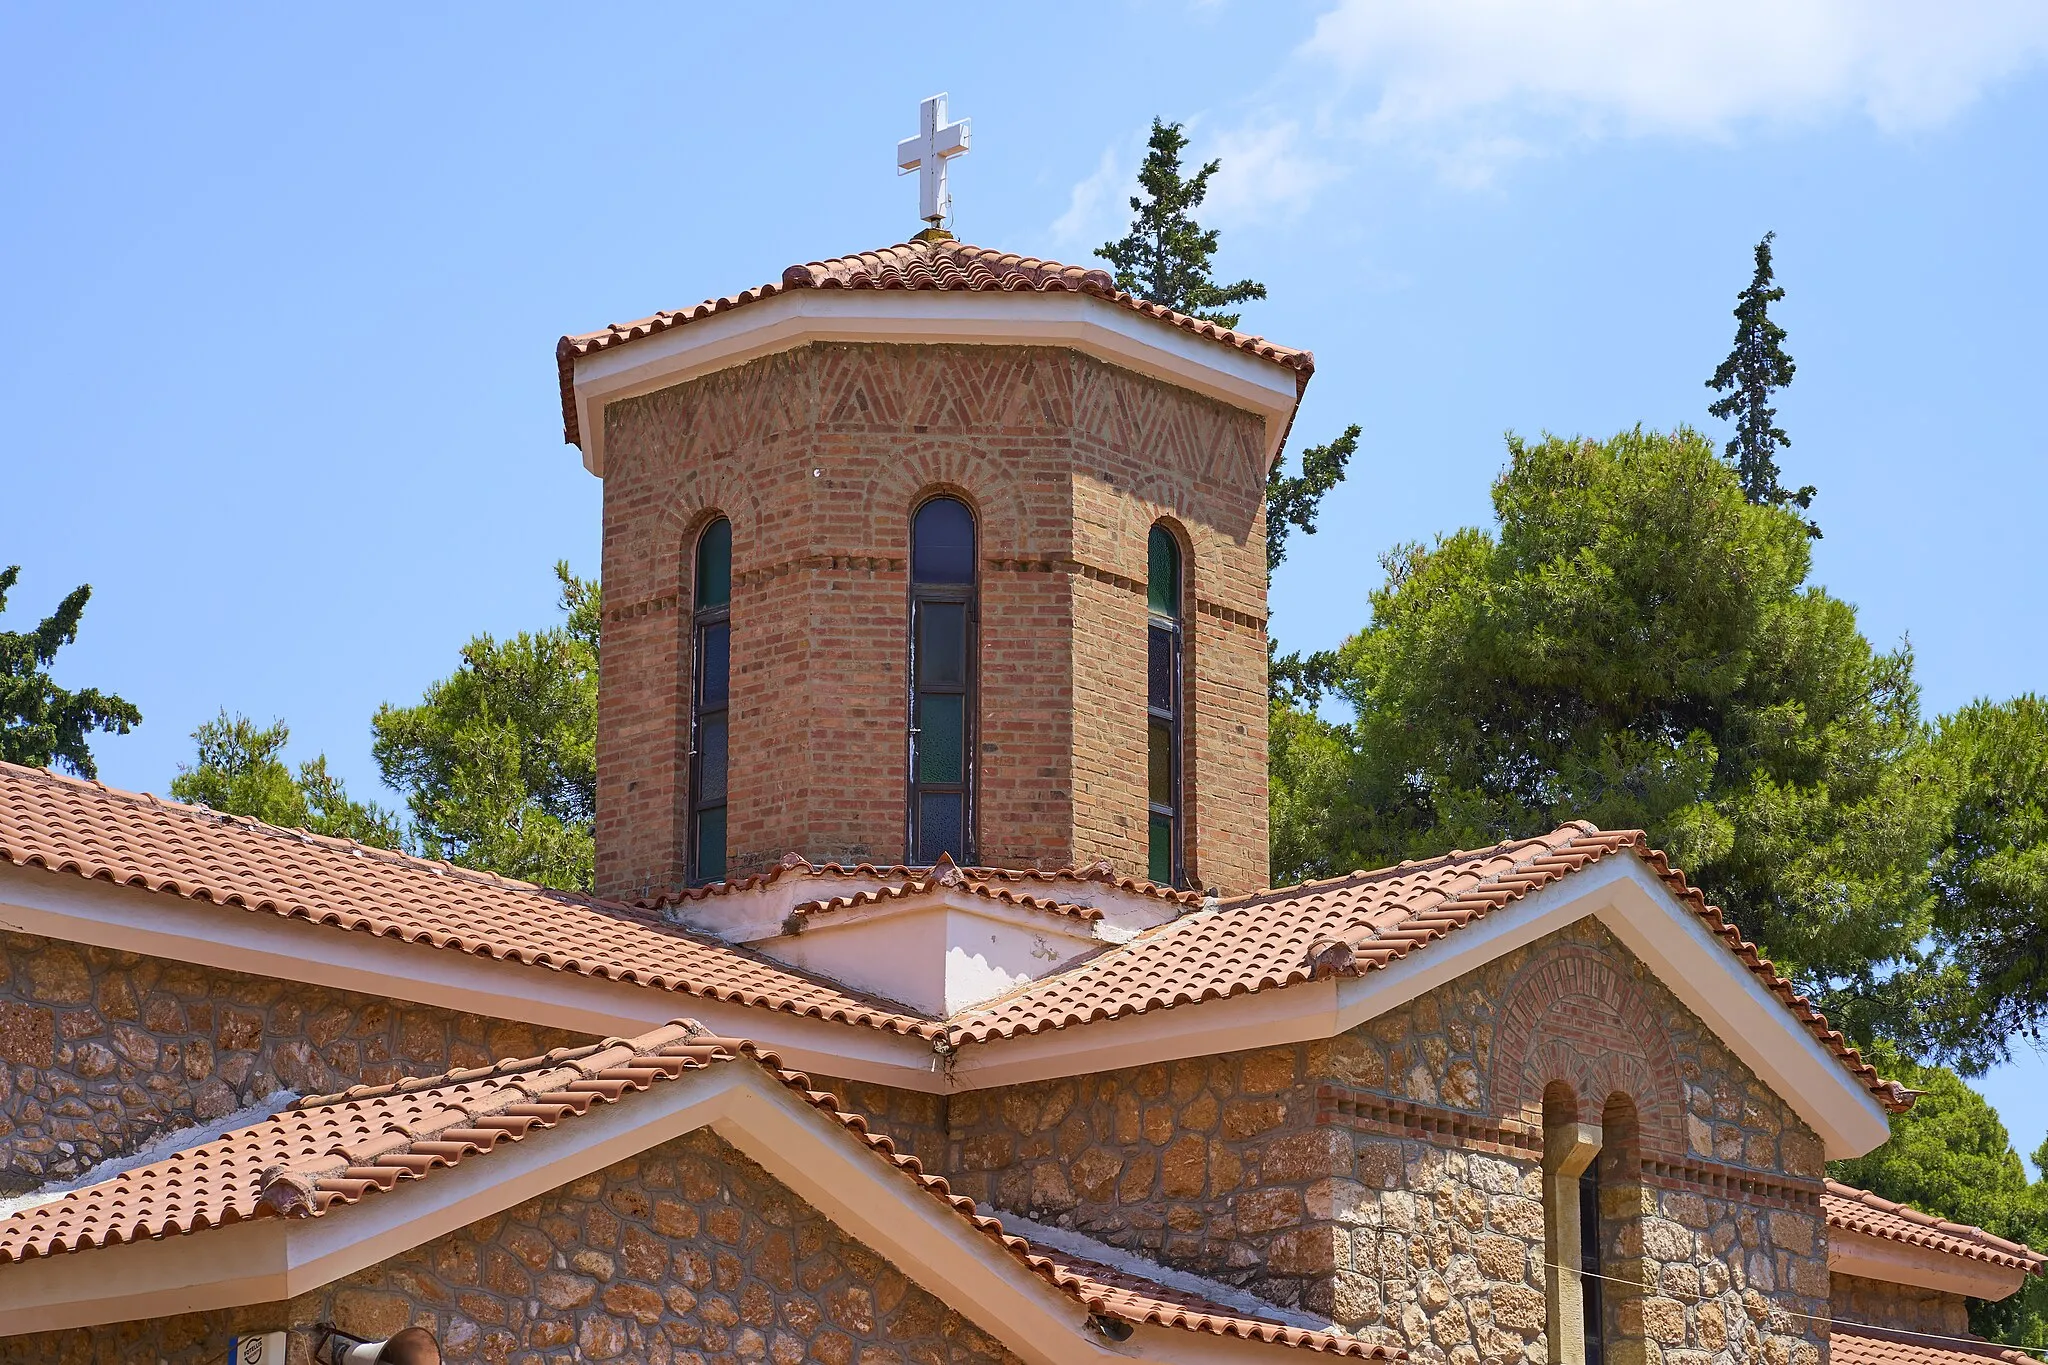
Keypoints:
pixel 942 711
pixel 710 695
pixel 1163 708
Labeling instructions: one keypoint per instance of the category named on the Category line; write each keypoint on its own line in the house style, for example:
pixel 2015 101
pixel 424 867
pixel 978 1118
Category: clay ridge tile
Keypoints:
pixel 338 1149
pixel 1856 1210
pixel 1103 1290
pixel 1355 924
pixel 945 877
pixel 795 864
pixel 1852 1343
pixel 949 266
pixel 67 826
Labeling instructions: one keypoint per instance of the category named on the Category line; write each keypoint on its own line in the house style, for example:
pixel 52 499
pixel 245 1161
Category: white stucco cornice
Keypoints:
pixel 1097 327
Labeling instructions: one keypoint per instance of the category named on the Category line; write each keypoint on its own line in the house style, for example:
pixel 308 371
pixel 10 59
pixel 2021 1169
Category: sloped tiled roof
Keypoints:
pixel 1853 1210
pixel 949 266
pixel 923 887
pixel 330 1151
pixel 1853 1344
pixel 1345 926
pixel 1348 926
pixel 983 880
pixel 92 831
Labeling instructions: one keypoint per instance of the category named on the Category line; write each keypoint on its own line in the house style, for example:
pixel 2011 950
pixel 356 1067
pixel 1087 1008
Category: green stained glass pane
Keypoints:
pixel 941 738
pixel 710 849
pixel 1162 583
pixel 714 565
pixel 1160 864
pixel 1159 764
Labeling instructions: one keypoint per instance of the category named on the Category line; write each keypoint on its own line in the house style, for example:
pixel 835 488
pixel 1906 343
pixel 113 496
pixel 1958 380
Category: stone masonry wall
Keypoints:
pixel 1391 1177
pixel 819 456
pixel 1904 1307
pixel 688 1253
pixel 101 1051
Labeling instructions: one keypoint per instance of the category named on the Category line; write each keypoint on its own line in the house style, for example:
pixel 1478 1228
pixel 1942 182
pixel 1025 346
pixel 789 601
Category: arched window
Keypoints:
pixel 1163 708
pixel 942 711
pixel 710 694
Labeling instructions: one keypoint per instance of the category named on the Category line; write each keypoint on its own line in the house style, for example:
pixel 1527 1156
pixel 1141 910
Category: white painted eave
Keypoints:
pixel 1621 891
pixel 1625 894
pixel 228 938
pixel 1108 331
pixel 273 1259
pixel 1893 1262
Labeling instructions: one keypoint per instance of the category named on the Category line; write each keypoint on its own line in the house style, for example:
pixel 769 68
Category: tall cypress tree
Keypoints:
pixel 1756 368
pixel 1165 257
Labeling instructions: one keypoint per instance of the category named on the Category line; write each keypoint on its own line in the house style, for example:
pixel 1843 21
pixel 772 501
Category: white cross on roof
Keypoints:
pixel 936 143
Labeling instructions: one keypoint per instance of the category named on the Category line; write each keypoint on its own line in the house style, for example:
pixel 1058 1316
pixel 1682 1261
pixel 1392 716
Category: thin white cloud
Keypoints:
pixel 1268 170
pixel 1464 68
pixel 1095 208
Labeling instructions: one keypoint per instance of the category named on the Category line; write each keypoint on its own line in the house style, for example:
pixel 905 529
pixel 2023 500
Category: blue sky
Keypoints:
pixel 282 286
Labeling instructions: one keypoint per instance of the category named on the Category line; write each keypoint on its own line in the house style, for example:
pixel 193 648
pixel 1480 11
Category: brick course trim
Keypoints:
pixel 1366 1112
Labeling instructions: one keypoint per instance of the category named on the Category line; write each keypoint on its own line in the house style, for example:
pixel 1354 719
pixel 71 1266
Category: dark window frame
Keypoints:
pixel 1172 714
pixel 922 595
pixel 1591 1300
pixel 704 620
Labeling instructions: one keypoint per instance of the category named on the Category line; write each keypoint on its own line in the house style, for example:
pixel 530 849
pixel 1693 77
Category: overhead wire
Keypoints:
pixel 1831 1321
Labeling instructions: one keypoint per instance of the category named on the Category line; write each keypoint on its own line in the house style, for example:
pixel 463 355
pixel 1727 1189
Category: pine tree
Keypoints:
pixel 1755 369
pixel 40 722
pixel 1165 257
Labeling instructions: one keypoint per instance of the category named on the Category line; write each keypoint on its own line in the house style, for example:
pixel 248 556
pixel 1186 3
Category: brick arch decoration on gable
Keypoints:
pixel 948 467
pixel 1571 1015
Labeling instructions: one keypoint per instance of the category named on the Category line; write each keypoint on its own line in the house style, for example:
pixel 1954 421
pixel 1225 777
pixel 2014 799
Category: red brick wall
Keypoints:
pixel 818 456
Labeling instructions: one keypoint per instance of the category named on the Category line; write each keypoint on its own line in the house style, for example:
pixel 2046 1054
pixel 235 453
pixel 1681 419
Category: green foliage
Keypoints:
pixel 1951 1157
pixel 1636 644
pixel 1756 368
pixel 239 770
pixel 1166 255
pixel 1991 875
pixel 498 761
pixel 41 723
pixel 1292 500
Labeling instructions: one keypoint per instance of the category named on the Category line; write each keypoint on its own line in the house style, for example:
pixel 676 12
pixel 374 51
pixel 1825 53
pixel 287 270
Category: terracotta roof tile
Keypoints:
pixel 83 828
pixel 337 1149
pixel 329 1151
pixel 1343 926
pixel 1348 926
pixel 917 890
pixel 948 266
pixel 1851 1344
pixel 1854 1210
pixel 944 877
pixel 792 864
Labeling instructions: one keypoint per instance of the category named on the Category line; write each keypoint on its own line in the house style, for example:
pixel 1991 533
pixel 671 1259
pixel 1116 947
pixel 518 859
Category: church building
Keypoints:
pixel 931 1004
